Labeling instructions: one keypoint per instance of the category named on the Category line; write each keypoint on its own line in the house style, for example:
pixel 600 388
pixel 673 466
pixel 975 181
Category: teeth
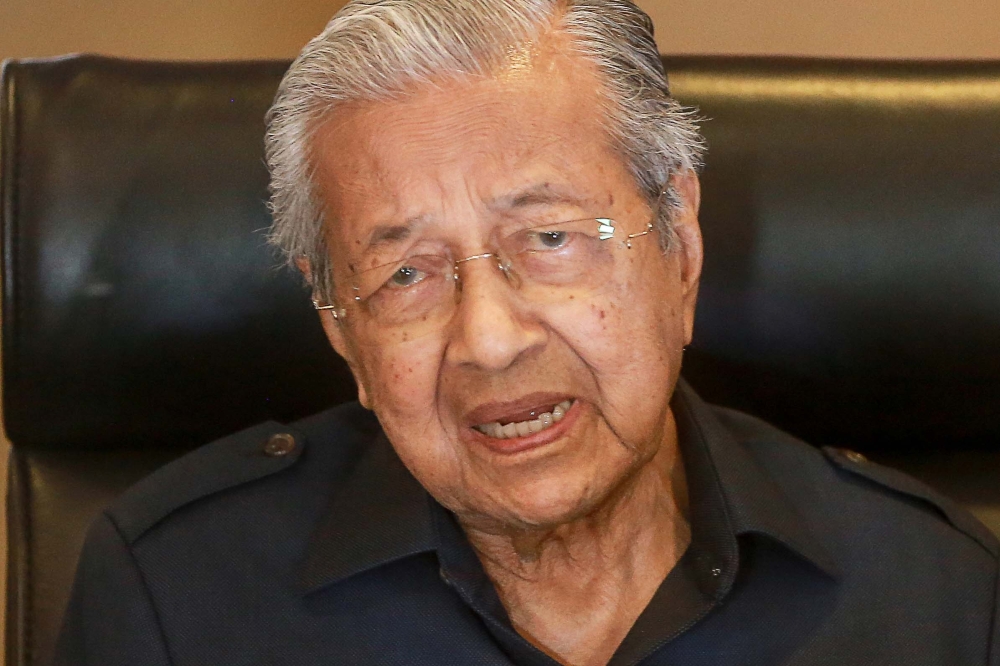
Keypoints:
pixel 525 428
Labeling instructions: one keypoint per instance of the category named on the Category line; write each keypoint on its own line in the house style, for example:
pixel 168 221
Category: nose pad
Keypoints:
pixel 503 264
pixel 488 329
pixel 456 292
pixel 507 268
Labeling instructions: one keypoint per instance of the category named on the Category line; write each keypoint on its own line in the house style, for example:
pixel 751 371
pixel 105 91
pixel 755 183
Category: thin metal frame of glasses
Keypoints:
pixel 606 229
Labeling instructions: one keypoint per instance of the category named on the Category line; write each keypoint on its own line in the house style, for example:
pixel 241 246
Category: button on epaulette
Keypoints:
pixel 279 445
pixel 833 453
pixel 230 462
pixel 899 482
pixel 854 456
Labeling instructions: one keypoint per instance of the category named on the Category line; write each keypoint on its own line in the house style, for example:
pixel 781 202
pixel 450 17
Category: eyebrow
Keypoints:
pixel 388 234
pixel 542 194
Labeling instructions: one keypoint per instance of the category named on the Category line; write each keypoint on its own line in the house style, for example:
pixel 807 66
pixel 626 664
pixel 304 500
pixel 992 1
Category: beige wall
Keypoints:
pixel 272 29
pixel 165 29
pixel 840 28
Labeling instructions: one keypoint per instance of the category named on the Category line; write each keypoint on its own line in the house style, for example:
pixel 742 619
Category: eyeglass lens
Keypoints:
pixel 417 295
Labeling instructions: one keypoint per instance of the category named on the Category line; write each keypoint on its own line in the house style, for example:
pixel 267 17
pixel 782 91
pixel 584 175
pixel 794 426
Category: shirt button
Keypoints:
pixel 279 445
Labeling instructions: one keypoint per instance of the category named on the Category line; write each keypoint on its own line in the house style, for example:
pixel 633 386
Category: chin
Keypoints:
pixel 547 504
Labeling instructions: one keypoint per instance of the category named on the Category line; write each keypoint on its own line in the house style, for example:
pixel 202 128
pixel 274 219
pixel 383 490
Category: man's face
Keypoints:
pixel 455 167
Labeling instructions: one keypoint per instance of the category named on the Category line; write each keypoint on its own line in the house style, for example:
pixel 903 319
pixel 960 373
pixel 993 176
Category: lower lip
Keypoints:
pixel 533 441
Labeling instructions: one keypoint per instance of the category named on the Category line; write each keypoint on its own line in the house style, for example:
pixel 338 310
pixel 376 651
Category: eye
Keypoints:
pixel 553 240
pixel 405 276
pixel 546 240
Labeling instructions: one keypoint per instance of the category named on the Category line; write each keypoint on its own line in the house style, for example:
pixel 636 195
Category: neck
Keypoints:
pixel 576 589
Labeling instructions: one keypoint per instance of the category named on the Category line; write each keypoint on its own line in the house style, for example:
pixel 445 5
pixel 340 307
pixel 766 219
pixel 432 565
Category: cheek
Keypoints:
pixel 403 387
pixel 400 381
pixel 631 341
pixel 627 339
pixel 639 323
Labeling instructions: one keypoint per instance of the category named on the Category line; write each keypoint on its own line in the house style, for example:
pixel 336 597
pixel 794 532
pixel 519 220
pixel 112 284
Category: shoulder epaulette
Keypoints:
pixel 899 482
pixel 240 458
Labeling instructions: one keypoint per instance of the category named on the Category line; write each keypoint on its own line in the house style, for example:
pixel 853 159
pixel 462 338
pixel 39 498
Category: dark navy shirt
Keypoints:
pixel 321 548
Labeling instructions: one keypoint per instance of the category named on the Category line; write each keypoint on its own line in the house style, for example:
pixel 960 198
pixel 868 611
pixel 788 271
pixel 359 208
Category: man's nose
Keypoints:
pixel 492 327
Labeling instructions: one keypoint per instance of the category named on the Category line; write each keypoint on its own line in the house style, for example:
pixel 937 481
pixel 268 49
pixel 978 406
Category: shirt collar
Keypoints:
pixel 382 514
pixel 731 493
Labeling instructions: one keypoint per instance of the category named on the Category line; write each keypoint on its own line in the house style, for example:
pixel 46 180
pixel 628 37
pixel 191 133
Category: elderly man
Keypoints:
pixel 495 205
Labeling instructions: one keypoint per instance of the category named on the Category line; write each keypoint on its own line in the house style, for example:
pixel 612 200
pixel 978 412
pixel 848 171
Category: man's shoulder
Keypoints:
pixel 248 467
pixel 841 487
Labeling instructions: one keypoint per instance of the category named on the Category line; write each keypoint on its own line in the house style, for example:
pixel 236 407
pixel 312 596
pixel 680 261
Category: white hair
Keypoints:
pixel 380 49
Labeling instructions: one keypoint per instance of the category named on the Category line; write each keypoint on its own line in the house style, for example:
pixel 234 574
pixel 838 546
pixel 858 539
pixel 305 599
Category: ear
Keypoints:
pixel 689 251
pixel 334 331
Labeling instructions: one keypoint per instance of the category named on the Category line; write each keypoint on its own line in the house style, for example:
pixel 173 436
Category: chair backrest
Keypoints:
pixel 851 292
pixel 143 313
pixel 851 213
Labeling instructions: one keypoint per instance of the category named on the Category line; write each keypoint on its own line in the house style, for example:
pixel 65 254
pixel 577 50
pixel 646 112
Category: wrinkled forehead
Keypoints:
pixel 477 146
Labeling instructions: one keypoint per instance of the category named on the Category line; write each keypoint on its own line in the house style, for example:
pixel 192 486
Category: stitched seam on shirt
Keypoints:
pixel 922 496
pixel 145 588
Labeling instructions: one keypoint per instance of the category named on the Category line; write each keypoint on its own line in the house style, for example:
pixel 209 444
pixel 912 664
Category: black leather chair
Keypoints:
pixel 851 291
pixel 143 313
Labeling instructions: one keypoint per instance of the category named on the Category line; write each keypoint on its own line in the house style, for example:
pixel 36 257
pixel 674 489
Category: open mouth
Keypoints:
pixel 537 421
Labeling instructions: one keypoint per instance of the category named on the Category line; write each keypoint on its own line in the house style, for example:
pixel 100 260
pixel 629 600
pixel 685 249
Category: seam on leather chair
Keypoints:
pixel 8 179
pixel 20 579
pixel 9 141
